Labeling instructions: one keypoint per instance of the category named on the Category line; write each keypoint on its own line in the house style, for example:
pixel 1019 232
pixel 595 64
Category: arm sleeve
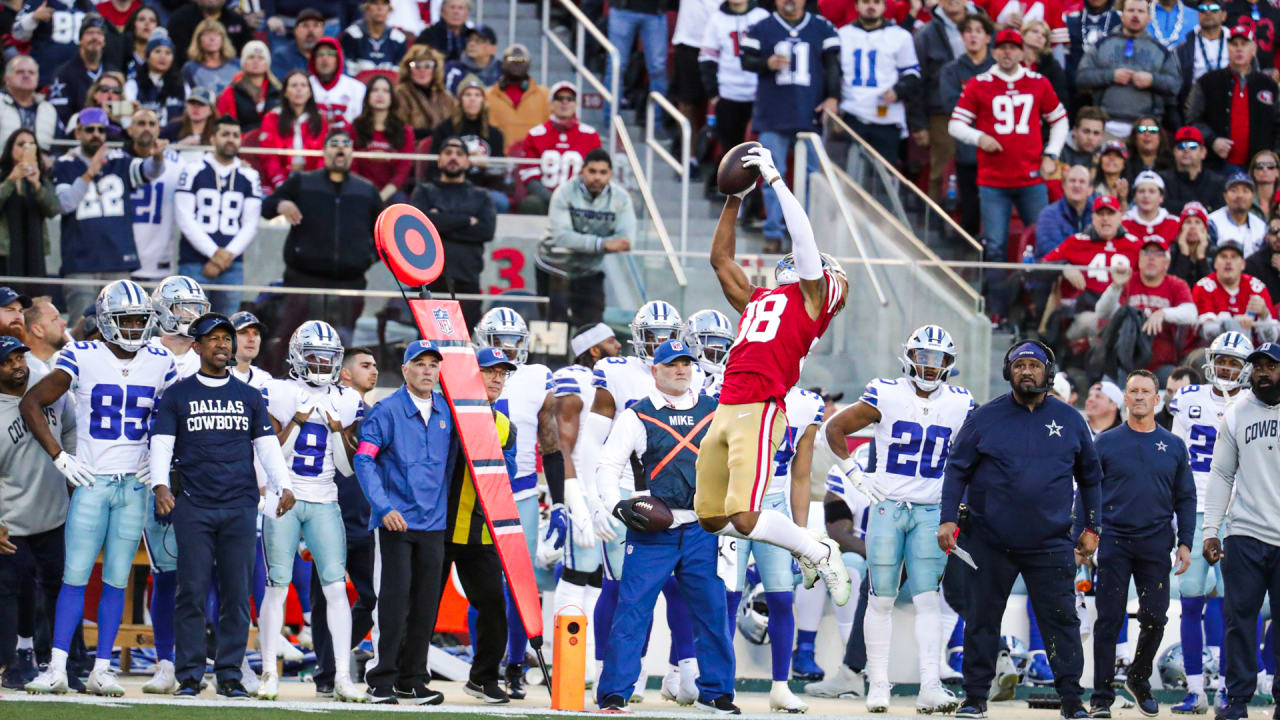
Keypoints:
pixel 152 169
pixel 1168 78
pixel 591 439
pixel 626 437
pixel 1108 301
pixel 960 464
pixel 161 457
pixel 625 224
pixel 267 451
pixel 1182 314
pixel 1057 132
pixel 24 26
pixel 754 59
pixel 1089 75
pixel 808 261
pixel 1184 504
pixel 1222 477
pixel 372 438
pixel 1195 112
pixel 287 191
pixel 70 195
pixel 832 74
pixel 561 225
pixel 1088 472
pixel 250 216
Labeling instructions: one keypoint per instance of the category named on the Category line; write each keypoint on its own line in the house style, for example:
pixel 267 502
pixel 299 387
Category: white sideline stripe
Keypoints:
pixel 337 707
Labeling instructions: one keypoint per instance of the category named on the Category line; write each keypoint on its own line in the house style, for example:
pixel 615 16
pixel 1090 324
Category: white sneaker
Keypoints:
pixel 842 683
pixel 834 573
pixel 268 686
pixel 781 699
pixel 878 697
pixel 946 673
pixel 1005 683
pixel 346 691
pixel 104 682
pixel 248 678
pixel 288 651
pixel 48 682
pixel 935 698
pixel 637 697
pixel 304 638
pixel 163 681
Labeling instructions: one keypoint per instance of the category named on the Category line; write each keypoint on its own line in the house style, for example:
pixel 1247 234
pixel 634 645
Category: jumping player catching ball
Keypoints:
pixel 776 331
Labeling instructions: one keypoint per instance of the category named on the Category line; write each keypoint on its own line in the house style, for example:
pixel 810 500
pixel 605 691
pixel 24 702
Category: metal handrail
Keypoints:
pixel 359 154
pixel 902 228
pixel 583 25
pixel 902 180
pixel 647 195
pixel 680 166
pixel 824 162
pixel 275 289
pixel 891 262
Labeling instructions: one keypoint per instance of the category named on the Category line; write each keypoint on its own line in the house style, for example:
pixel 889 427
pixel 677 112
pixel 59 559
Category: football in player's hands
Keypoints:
pixel 732 178
pixel 644 513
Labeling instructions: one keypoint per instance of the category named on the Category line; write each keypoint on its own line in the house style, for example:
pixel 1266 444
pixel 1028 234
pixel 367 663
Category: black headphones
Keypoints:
pixel 1050 368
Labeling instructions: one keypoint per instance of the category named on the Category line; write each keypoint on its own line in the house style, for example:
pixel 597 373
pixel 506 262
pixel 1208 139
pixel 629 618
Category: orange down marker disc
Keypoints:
pixel 409 245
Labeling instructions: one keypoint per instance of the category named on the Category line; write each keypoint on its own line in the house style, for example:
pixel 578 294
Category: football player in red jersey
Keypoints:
pixel 1000 111
pixel 776 331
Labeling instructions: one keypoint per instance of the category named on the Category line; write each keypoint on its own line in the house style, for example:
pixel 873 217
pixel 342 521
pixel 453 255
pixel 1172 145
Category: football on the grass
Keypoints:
pixel 732 177
pixel 644 513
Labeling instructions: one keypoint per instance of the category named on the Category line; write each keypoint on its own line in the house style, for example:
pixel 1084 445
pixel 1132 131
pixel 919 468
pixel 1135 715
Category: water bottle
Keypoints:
pixel 1028 255
pixel 711 120
pixel 950 191
pixel 1084 579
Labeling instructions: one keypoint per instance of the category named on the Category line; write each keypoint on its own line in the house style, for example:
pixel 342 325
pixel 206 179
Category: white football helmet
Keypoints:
pixel 929 348
pixel 121 299
pixel 656 322
pixel 710 335
pixel 504 328
pixel 753 616
pixel 177 301
pixel 315 353
pixel 785 271
pixel 1218 369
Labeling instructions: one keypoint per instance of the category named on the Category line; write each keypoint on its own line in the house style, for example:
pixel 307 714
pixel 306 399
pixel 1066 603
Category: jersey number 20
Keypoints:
pixel 930 444
pixel 761 319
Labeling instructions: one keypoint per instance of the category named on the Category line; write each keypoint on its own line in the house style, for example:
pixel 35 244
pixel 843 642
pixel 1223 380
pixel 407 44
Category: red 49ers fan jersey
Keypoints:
pixel 1164 228
pixel 561 150
pixel 1212 299
pixel 775 334
pixel 1098 255
pixel 1009 111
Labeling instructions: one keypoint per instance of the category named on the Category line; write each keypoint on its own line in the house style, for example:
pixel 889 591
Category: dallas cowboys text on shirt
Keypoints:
pixel 216 415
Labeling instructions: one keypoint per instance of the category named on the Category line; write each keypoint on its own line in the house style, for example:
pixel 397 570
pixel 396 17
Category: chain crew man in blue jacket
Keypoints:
pixel 1016 458
pixel 1146 483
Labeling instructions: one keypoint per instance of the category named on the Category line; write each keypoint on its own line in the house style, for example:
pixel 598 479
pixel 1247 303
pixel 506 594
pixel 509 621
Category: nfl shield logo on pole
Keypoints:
pixel 442 321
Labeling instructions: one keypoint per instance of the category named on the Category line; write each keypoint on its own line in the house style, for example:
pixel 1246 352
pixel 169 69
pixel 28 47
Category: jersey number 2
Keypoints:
pixel 1201 447
pixel 761 319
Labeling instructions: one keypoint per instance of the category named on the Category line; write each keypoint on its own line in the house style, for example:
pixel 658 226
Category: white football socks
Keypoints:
pixel 877 626
pixel 949 618
pixel 338 618
pixel 568 594
pixel 101 664
pixel 25 643
pixel 1195 684
pixel 928 636
pixel 810 603
pixel 270 622
pixel 58 660
pixel 777 529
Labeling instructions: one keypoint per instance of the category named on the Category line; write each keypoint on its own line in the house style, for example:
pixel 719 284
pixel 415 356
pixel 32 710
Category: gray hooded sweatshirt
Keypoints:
pixel 33 494
pixel 579 225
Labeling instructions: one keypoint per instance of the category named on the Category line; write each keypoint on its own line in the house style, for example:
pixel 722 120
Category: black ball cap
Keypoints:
pixel 209 322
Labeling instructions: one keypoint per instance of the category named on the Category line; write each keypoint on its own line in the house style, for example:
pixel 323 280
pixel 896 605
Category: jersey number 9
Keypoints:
pixel 309 450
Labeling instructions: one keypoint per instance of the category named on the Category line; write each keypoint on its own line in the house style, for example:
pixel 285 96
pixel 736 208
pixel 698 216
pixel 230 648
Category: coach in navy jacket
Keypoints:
pixel 1016 458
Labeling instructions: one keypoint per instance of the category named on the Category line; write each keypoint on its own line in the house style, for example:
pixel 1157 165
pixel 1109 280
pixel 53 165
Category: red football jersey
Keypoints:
pixel 775 334
pixel 1082 249
pixel 1212 299
pixel 1173 341
pixel 1009 111
pixel 1165 227
pixel 1003 12
pixel 560 149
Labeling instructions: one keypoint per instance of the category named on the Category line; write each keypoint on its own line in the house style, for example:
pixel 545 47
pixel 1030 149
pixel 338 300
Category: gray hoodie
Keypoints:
pixel 33 494
pixel 1126 102
pixel 579 225
pixel 1245 461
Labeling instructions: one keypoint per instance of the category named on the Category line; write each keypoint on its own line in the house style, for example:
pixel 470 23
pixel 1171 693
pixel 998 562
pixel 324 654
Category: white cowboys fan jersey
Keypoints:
pixel 114 401
pixel 803 409
pixel 629 379
pixel 153 213
pixel 520 401
pixel 310 459
pixel 913 437
pixel 1197 412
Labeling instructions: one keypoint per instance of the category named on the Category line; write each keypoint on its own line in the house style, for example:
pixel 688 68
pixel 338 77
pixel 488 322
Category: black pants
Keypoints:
pixel 884 138
pixel 855 650
pixel 1250 569
pixel 480 572
pixel 967 196
pixel 732 118
pixel 1146 560
pixel 1049 576
pixel 218 540
pixel 578 301
pixel 360 570
pixel 37 566
pixel 471 309
pixel 406 575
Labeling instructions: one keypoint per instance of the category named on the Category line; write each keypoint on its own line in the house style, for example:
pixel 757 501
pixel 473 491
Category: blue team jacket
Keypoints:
pixel 403 464
pixel 1017 466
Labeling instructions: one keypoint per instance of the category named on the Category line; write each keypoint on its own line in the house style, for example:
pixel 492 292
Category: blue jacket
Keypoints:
pixel 1059 221
pixel 1146 483
pixel 404 464
pixel 1017 466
